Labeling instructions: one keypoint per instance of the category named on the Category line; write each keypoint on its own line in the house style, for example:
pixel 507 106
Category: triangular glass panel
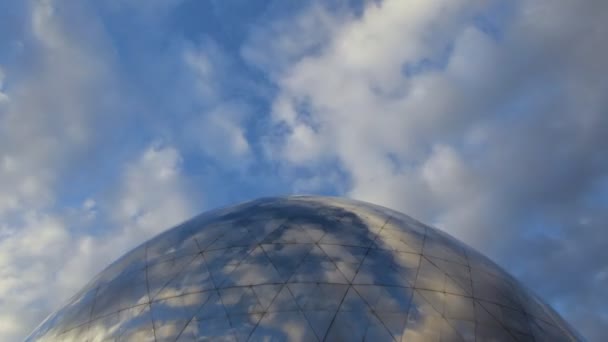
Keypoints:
pixel 347 235
pixel 394 322
pixel 451 268
pixel 544 331
pixel 105 328
pixel 346 258
pixel 161 274
pixel 172 315
pixel 266 294
pixel 488 312
pixel 490 322
pixel 204 238
pixel 170 247
pixel 74 314
pixel 240 301
pixel 349 326
pixel 495 289
pixel 78 333
pixel 448 333
pixel 343 253
pixel 238 237
pixel 353 302
pixel 525 337
pixel 311 296
pixel 458 276
pixel 260 229
pixel 136 324
pixel 222 262
pixel 440 248
pixel 459 286
pixel 398 240
pixel 511 319
pixel 128 263
pixel 286 257
pixel 283 326
pixel 430 277
pixel 212 308
pixel 284 301
pixel 459 307
pixel 386 268
pixel 516 320
pixel 319 321
pixel 195 277
pixel 347 270
pixel 318 267
pixel 212 329
pixel 493 332
pixel 256 269
pixel 375 222
pixel 418 330
pixel 426 303
pixel 122 292
pixel 288 233
pixel 314 230
pixel 243 325
pixel 466 329
pixel 399 221
pixel 385 298
pixel 377 331
pixel 219 274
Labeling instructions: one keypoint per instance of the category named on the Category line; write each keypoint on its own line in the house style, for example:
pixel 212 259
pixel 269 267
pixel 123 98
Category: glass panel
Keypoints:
pixel 172 315
pixel 318 297
pixel 121 293
pixel 194 277
pixel 318 267
pixel 385 298
pixel 284 326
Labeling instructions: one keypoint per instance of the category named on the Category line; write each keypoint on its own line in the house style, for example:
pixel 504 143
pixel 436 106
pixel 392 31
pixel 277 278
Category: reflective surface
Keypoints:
pixel 303 269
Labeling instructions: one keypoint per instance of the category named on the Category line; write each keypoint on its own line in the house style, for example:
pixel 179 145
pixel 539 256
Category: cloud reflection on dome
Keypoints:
pixel 304 269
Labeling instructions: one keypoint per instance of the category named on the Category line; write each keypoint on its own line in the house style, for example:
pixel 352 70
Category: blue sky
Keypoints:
pixel 120 118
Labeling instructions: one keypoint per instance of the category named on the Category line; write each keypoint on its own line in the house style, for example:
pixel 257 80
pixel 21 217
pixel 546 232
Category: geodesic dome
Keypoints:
pixel 303 269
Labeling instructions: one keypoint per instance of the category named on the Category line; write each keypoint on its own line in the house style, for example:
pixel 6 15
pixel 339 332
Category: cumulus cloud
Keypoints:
pixel 48 257
pixel 52 100
pixel 44 98
pixel 3 96
pixel 489 127
pixel 47 107
pixel 222 123
pixel 217 128
pixel 151 196
pixel 30 255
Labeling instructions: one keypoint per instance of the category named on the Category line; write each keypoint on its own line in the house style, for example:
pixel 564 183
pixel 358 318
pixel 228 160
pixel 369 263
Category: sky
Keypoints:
pixel 485 118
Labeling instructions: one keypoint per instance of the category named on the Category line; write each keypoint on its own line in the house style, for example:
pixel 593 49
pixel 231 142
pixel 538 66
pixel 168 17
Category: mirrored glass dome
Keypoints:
pixel 303 269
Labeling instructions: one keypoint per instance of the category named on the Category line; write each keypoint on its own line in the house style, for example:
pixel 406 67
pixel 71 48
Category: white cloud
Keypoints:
pixel 217 124
pixel 52 103
pixel 206 63
pixel 56 106
pixel 480 130
pixel 3 96
pixel 45 112
pixel 152 195
pixel 43 262
pixel 220 133
pixel 30 255
pixel 270 48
